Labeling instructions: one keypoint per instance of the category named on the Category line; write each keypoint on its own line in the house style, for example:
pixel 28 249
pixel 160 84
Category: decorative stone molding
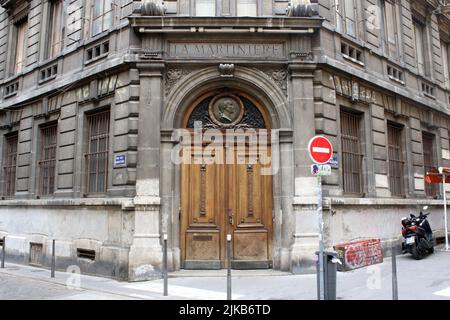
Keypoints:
pixel 302 8
pixel 279 76
pixel 151 8
pixel 303 56
pixel 226 70
pixel 353 90
pixel 145 54
pixel 173 75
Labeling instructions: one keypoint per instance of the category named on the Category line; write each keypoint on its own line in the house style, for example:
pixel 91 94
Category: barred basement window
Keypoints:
pixel 10 164
pixel 47 164
pixel 429 161
pixel 36 252
pixel 97 156
pixel 396 160
pixel 351 153
pixel 86 254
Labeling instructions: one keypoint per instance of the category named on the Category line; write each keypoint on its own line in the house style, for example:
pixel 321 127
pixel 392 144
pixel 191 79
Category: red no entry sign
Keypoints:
pixel 320 150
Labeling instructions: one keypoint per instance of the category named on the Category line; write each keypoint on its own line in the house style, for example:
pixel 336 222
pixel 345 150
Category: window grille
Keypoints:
pixel 9 168
pixel 396 160
pixel 351 153
pixel 429 162
pixel 98 149
pixel 47 163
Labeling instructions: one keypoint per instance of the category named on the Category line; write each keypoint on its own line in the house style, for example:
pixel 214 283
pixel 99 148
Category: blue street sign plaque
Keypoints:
pixel 120 161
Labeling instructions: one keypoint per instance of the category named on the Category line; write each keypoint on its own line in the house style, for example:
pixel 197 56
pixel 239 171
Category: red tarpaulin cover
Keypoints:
pixel 435 177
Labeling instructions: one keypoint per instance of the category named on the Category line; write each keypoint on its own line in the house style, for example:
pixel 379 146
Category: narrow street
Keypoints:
pixel 428 279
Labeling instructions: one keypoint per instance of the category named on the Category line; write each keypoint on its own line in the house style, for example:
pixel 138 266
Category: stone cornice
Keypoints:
pixel 164 24
pixel 124 203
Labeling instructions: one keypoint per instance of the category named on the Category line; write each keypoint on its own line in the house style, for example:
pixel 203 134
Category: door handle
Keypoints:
pixel 230 217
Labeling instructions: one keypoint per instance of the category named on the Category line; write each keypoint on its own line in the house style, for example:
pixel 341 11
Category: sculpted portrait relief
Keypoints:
pixel 226 110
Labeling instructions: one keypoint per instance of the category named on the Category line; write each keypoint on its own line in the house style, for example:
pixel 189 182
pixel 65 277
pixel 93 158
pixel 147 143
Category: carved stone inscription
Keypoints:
pixel 227 50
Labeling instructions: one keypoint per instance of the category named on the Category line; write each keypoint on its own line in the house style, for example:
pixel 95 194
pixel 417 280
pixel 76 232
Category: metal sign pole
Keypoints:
pixel 447 248
pixel 166 284
pixel 3 252
pixel 321 245
pixel 229 267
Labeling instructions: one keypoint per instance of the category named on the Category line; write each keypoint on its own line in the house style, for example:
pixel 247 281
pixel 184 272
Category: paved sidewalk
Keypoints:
pixel 428 279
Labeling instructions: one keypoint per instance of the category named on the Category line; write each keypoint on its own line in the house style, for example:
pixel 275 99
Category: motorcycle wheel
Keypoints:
pixel 417 253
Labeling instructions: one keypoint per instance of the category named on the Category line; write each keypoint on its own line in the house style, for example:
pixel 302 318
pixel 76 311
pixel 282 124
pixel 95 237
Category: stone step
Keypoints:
pixel 223 273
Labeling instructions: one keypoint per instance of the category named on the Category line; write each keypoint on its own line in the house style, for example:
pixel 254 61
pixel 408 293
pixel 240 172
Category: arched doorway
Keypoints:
pixel 226 185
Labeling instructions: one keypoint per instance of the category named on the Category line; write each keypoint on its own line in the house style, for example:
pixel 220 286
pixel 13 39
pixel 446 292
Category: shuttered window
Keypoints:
pixel 350 17
pixel 10 164
pixel 420 33
pixel 396 160
pixel 47 163
pixel 351 153
pixel 445 63
pixel 98 149
pixel 20 54
pixel 391 27
pixel 55 29
pixel 429 162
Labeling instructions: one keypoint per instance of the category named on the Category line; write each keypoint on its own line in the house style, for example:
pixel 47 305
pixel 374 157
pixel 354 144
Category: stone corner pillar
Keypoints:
pixel 145 257
pixel 306 225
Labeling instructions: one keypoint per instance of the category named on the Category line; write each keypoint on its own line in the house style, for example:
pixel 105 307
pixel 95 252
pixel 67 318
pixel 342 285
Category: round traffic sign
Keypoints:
pixel 320 150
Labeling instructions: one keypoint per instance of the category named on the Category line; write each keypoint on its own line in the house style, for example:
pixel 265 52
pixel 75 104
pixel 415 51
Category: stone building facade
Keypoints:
pixel 93 93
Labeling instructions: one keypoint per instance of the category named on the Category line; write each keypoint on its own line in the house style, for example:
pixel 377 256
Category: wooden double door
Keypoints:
pixel 226 199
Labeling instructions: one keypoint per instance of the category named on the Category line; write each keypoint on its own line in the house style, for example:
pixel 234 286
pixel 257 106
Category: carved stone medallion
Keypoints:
pixel 226 110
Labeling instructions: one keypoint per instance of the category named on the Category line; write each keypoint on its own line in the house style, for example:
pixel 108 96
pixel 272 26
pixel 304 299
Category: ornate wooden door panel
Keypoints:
pixel 202 209
pixel 251 209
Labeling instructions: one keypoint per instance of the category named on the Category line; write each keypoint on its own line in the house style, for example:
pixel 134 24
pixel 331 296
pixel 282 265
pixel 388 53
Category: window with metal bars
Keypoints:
pixel 429 161
pixel 351 153
pixel 47 163
pixel 10 164
pixel 98 149
pixel 396 160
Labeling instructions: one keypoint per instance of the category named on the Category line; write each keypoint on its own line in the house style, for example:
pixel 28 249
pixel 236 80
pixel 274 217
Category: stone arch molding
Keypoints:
pixel 252 81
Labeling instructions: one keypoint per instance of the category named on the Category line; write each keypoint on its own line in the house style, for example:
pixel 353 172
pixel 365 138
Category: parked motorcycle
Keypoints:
pixel 418 235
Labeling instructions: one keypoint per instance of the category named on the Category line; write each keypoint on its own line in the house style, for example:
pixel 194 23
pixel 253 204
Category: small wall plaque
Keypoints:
pixel 120 161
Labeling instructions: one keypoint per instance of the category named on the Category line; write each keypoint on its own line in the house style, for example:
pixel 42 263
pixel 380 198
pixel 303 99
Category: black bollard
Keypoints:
pixel 229 267
pixel 394 274
pixel 166 285
pixel 53 259
pixel 3 252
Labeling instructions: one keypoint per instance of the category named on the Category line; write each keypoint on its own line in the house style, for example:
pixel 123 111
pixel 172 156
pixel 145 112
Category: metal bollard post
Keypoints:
pixel 229 267
pixel 394 274
pixel 53 259
pixel 166 285
pixel 3 252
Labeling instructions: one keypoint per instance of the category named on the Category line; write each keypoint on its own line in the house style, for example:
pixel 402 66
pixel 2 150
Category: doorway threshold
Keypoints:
pixel 223 273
